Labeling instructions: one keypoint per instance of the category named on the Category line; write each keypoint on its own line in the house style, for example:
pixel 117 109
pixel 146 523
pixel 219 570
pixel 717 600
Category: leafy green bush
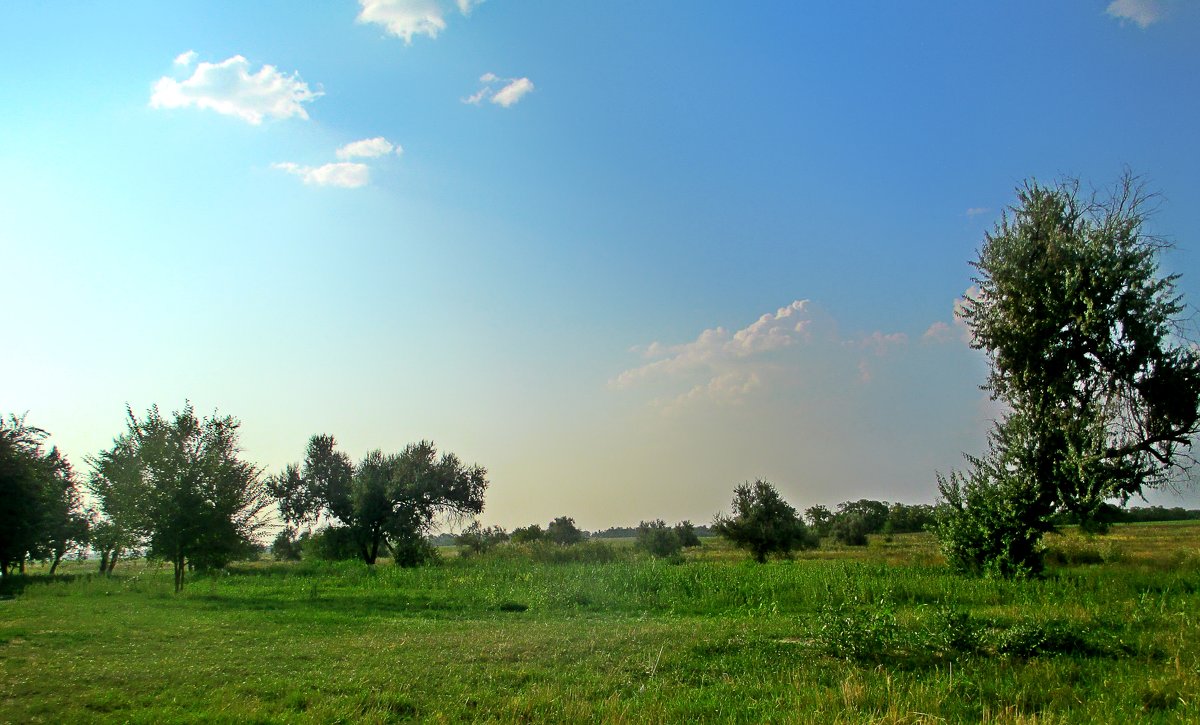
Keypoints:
pixel 850 529
pixel 658 539
pixel 476 540
pixel 764 523
pixel 858 633
pixel 332 543
pixel 987 522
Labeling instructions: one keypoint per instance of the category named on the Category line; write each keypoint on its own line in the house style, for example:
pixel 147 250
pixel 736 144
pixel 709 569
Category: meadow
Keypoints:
pixel 883 634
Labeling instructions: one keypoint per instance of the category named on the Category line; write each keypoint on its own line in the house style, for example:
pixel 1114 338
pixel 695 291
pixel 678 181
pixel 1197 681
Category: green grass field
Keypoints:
pixel 881 634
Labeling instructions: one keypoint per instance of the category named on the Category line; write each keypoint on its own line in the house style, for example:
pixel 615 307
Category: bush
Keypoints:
pixel 332 543
pixel 860 634
pixel 477 540
pixel 850 529
pixel 986 525
pixel 657 539
pixel 526 534
pixel 764 523
pixel 687 534
pixel 563 531
pixel 286 547
pixel 414 551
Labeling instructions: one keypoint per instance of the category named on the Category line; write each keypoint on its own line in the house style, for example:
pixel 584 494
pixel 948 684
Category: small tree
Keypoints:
pixel 181 484
pixel 820 520
pixel 763 522
pixel 527 534
pixel 851 529
pixel 658 539
pixel 476 539
pixel 563 531
pixel 686 532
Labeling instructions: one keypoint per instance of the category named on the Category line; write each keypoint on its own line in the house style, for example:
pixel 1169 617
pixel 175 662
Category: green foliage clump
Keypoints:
pixel 564 532
pixel 526 534
pixel 331 543
pixel 763 522
pixel 476 539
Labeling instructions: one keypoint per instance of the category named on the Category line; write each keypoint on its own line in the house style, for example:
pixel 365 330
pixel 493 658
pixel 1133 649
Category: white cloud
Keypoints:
pixel 976 211
pixel 368 148
pixel 725 367
pixel 229 88
pixel 938 332
pixel 185 58
pixel 406 18
pixel 513 92
pixel 347 175
pixel 1142 12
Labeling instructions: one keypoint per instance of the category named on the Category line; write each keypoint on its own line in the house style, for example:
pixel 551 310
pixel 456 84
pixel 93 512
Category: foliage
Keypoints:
pixel 526 534
pixel 476 539
pixel 658 539
pixel 179 484
pixel 331 543
pixel 1082 334
pixel 763 522
pixel 386 501
pixel 850 529
pixel 820 520
pixel 686 532
pixel 286 546
pixel 563 531
pixel 41 514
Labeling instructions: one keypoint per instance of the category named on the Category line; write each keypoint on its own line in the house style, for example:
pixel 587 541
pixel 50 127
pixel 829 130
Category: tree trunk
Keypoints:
pixel 104 562
pixel 112 561
pixel 179 571
pixel 54 564
pixel 22 565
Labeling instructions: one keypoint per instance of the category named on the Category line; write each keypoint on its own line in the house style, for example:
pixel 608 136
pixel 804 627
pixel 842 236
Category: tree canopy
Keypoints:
pixel 1086 346
pixel 179 485
pixel 763 522
pixel 386 501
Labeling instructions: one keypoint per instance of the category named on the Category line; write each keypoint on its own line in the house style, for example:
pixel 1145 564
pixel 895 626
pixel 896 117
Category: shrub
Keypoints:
pixel 850 529
pixel 687 534
pixel 414 551
pixel 857 633
pixel 332 543
pixel 657 539
pixel 985 524
pixel 286 547
pixel 563 531
pixel 478 540
pixel 526 534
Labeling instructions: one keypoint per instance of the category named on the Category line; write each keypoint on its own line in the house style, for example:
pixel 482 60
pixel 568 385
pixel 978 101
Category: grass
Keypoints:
pixel 876 634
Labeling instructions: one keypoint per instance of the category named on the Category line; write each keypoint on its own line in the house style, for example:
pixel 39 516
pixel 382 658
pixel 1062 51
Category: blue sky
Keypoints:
pixel 624 254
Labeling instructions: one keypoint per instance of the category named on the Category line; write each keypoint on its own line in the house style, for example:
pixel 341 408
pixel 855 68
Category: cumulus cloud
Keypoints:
pixel 185 58
pixel 406 18
pixel 347 175
pixel 368 148
pixel 726 367
pixel 231 89
pixel 514 90
pixel 1142 12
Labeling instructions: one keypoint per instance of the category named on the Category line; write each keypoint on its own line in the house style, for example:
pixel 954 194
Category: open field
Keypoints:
pixel 882 634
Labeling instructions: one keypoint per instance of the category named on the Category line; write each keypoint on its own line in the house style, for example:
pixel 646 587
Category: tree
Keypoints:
pixel 477 539
pixel 527 534
pixel 686 532
pixel 563 531
pixel 387 501
pixel 1084 340
pixel 820 519
pixel 658 539
pixel 763 522
pixel 179 484
pixel 40 509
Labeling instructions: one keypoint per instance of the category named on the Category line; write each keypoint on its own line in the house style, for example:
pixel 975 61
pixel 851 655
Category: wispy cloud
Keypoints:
pixel 976 211
pixel 406 18
pixel 186 58
pixel 368 148
pixel 725 367
pixel 231 89
pixel 347 175
pixel 514 90
pixel 1143 13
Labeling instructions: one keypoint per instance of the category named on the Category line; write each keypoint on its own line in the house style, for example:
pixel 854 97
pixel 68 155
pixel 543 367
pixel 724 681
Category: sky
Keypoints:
pixel 624 254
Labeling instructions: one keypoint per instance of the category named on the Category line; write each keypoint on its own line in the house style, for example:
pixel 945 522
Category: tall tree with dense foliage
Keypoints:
pixel 1084 337
pixel 41 512
pixel 763 522
pixel 179 484
pixel 387 501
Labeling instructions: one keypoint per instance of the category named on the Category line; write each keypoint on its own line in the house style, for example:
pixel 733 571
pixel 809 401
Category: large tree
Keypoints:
pixel 387 501
pixel 1085 339
pixel 179 484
